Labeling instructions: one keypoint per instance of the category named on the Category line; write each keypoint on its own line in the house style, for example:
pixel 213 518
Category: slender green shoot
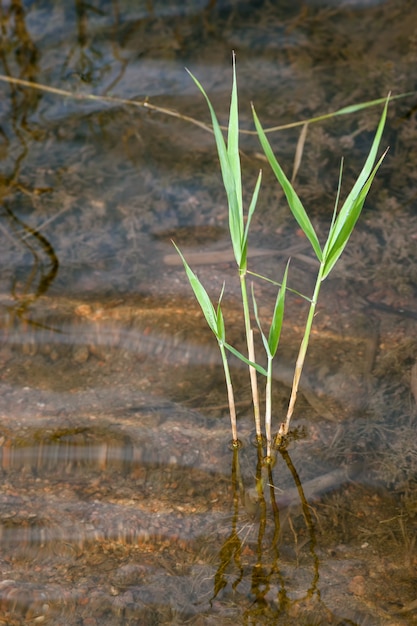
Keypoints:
pixel 231 172
pixel 342 225
pixel 215 320
pixel 271 345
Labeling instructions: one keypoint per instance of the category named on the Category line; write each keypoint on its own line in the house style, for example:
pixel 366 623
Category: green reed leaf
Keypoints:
pixel 351 203
pixel 221 332
pixel 233 144
pixel 354 108
pixel 202 297
pixel 293 200
pixel 258 321
pixel 278 316
pixel 251 211
pixel 335 250
pixel 240 356
pixel 230 168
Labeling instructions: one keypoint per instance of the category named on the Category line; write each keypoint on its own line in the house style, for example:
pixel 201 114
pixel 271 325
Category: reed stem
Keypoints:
pixel 284 427
pixel 230 396
pixel 251 356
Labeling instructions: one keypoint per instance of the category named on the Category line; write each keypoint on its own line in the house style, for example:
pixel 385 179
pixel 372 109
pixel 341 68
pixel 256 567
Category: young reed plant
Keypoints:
pixel 340 230
pixel 228 153
pixel 341 227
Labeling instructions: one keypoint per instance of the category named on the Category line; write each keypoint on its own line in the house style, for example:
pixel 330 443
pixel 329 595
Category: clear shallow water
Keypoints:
pixel 121 501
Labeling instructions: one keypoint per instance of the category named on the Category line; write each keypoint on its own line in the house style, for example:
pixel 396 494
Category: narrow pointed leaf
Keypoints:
pixel 354 108
pixel 338 245
pixel 251 211
pixel 240 356
pixel 350 201
pixel 201 295
pixel 299 152
pixel 218 135
pixel 235 221
pixel 221 332
pixel 278 316
pixel 334 216
pixel 258 321
pixel 244 257
pixel 233 143
pixel 293 200
pixel 336 202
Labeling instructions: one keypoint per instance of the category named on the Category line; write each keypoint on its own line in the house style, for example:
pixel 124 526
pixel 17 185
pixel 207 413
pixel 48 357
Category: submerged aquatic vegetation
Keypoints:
pixel 340 230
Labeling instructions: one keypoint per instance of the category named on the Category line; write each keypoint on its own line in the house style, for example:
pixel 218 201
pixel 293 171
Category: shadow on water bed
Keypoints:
pixel 121 502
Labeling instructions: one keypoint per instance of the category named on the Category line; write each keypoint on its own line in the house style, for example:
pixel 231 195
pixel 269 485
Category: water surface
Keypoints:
pixel 122 502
